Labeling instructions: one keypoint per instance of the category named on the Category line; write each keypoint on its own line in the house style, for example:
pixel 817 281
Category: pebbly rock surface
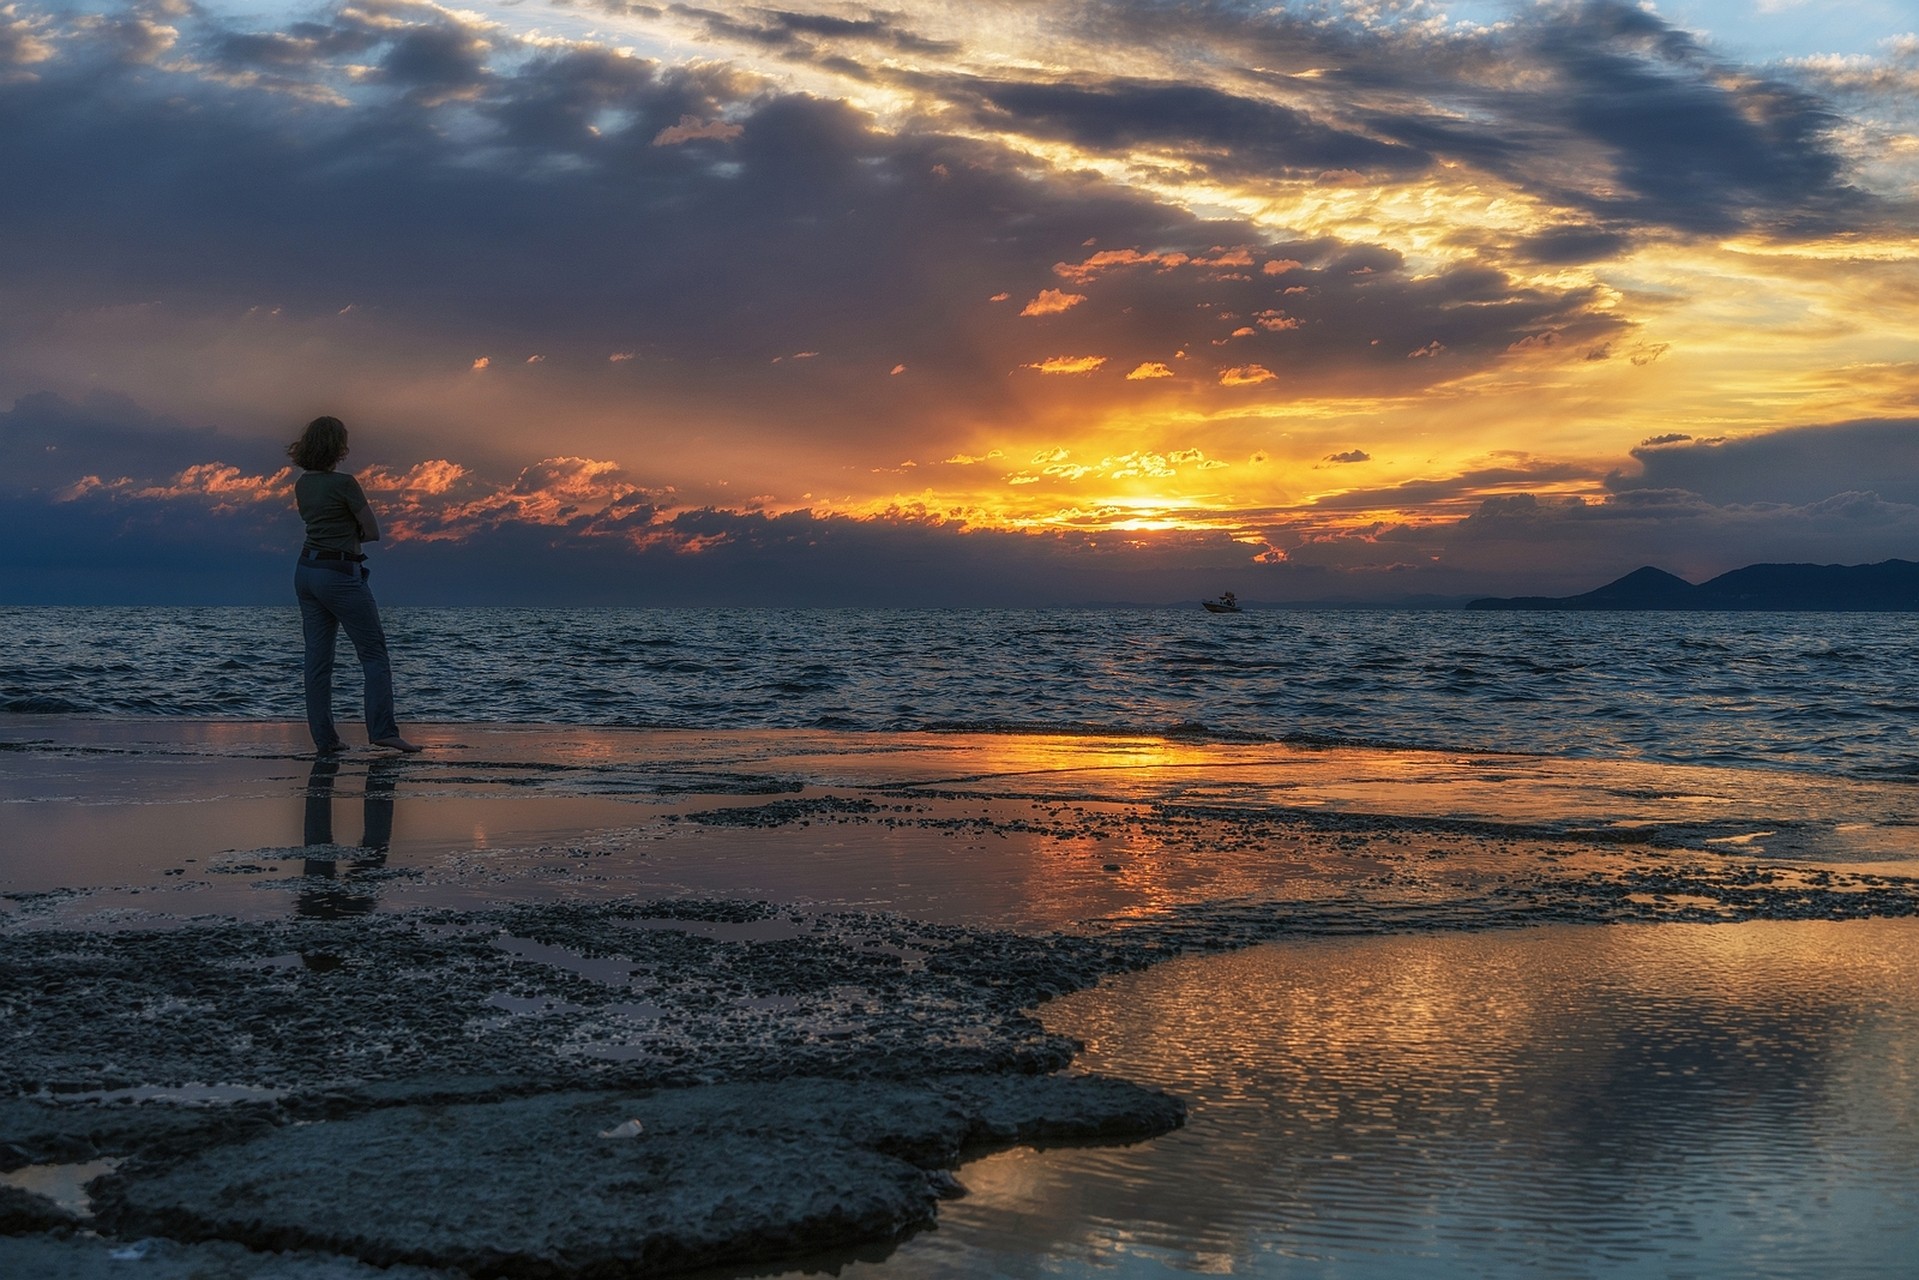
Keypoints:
pixel 580 1090
pixel 634 1088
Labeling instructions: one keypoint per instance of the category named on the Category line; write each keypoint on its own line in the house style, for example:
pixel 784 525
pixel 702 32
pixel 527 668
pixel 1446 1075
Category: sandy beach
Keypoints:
pixel 586 1002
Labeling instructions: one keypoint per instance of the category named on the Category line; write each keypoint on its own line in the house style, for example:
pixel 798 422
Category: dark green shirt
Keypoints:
pixel 336 511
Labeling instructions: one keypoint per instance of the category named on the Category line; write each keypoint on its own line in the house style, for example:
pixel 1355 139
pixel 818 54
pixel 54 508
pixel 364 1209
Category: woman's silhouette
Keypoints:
pixel 331 582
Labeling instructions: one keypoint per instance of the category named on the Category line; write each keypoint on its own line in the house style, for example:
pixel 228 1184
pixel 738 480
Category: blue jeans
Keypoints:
pixel 334 594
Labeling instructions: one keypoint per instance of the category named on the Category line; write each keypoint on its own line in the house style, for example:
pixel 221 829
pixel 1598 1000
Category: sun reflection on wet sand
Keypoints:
pixel 1020 830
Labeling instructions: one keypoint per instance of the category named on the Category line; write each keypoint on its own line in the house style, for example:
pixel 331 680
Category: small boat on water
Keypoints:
pixel 1227 603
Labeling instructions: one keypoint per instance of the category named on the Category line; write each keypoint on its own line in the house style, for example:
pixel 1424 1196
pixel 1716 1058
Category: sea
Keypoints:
pixel 1624 1101
pixel 1819 692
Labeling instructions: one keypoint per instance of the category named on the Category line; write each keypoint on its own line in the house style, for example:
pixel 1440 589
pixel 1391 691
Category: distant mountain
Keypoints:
pixel 1891 586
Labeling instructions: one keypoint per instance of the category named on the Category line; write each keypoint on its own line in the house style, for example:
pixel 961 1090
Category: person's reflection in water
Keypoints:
pixel 341 898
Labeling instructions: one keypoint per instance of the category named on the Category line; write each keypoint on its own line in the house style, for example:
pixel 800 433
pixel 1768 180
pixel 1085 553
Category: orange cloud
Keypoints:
pixel 1246 375
pixel 482 363
pixel 230 488
pixel 1068 364
pixel 1051 302
pixel 1107 259
pixel 434 476
pixel 1241 257
pixel 90 484
pixel 1149 369
pixel 1113 259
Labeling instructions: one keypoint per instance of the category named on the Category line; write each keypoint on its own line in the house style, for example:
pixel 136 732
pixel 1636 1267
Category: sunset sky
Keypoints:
pixel 958 302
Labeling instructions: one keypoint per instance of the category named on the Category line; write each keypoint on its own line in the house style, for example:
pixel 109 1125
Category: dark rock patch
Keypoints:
pixel 587 1184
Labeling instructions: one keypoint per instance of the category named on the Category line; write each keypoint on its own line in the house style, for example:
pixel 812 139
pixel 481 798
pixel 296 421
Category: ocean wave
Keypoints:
pixel 44 705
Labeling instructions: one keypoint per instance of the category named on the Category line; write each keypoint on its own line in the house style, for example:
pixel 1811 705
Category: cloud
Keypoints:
pixel 23 40
pixel 811 33
pixel 1068 364
pixel 1796 466
pixel 1350 455
pixel 579 529
pixel 1050 302
pixel 1441 493
pixel 1211 261
pixel 1220 132
pixel 231 218
pixel 1246 375
pixel 694 129
pixel 532 207
pixel 1570 244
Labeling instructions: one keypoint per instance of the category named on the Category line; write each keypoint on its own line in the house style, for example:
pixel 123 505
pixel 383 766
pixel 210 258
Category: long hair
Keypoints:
pixel 320 446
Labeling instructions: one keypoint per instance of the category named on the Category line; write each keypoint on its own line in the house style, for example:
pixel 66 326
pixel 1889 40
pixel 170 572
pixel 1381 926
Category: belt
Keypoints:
pixel 312 553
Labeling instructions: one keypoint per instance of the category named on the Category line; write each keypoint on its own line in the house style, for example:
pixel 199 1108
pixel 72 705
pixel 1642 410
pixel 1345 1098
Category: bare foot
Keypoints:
pixel 397 743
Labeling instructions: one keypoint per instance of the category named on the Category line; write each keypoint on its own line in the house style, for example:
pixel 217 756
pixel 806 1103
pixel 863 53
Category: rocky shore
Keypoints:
pixel 599 1085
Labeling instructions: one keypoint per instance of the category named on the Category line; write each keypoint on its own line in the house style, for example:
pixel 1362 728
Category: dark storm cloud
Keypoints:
pixel 786 30
pixel 1796 466
pixel 1700 150
pixel 436 62
pixel 1569 246
pixel 301 45
pixel 238 197
pixel 555 102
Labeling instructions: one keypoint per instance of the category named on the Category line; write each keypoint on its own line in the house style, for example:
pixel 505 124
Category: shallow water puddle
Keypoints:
pixel 64 1184
pixel 1712 1100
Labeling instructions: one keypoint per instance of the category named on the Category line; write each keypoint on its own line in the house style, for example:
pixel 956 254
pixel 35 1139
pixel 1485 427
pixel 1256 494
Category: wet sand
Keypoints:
pixel 600 998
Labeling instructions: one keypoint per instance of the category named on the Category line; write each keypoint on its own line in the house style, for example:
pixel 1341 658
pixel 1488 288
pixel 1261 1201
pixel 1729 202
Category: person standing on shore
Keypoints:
pixel 330 580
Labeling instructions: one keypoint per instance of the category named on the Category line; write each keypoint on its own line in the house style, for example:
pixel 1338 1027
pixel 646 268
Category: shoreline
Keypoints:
pixel 810 951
